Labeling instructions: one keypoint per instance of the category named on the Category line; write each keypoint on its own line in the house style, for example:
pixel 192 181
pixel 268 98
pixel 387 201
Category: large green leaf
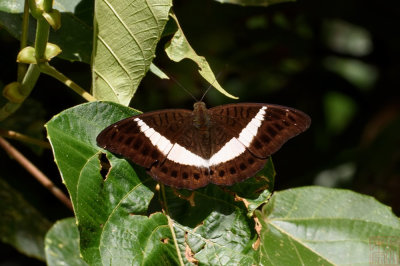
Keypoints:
pixel 73 133
pixel 75 35
pixel 21 225
pixel 108 211
pixel 126 35
pixel 322 226
pixel 62 244
pixel 214 228
pixel 119 216
pixel 114 209
pixel 256 191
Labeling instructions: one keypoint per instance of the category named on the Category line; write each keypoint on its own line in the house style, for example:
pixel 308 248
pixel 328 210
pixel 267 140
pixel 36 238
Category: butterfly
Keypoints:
pixel 188 149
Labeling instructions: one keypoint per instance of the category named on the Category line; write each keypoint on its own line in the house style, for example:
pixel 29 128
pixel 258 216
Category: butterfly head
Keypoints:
pixel 199 106
pixel 201 118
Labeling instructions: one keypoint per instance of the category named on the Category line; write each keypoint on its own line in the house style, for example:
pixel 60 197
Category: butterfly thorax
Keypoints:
pixel 201 120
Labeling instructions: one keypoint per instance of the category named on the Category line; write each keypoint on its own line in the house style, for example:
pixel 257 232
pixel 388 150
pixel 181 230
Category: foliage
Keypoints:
pixel 21 225
pixel 112 212
pixel 121 215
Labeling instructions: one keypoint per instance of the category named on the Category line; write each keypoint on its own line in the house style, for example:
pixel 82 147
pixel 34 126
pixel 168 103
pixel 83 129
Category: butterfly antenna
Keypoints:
pixel 209 87
pixel 180 85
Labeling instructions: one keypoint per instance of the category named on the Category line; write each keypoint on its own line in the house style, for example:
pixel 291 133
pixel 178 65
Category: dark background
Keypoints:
pixel 338 61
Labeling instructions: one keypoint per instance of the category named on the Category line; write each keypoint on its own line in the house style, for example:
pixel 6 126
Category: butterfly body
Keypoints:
pixel 190 149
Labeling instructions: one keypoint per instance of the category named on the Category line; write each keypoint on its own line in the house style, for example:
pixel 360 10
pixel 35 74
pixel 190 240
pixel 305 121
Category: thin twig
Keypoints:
pixel 21 137
pixel 171 224
pixel 44 180
pixel 51 71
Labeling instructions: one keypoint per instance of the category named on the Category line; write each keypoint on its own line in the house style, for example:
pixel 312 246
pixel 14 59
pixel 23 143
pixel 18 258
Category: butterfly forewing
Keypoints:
pixel 262 128
pixel 134 138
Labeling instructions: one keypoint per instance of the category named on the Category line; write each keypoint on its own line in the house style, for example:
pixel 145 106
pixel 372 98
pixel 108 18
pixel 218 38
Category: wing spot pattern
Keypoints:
pixel 174 173
pixel 185 175
pixel 232 170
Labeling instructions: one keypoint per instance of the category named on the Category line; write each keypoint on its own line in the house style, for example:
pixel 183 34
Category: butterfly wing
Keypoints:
pixel 164 157
pixel 129 137
pixel 185 165
pixel 234 146
pixel 231 162
pixel 262 128
pixel 247 134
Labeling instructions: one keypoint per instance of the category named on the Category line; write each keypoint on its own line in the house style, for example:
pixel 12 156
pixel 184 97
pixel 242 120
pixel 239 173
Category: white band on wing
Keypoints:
pixel 232 149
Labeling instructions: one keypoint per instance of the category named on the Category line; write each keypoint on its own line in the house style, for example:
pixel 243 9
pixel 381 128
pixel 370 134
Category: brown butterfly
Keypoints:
pixel 190 149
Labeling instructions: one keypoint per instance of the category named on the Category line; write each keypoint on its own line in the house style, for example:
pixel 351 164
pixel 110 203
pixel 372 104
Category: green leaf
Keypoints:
pixel 316 225
pixel 254 2
pixel 126 36
pixel 75 35
pixel 21 225
pixel 256 191
pixel 119 215
pixel 158 72
pixel 111 212
pixel 178 48
pixel 113 206
pixel 62 244
pixel 214 229
pixel 73 133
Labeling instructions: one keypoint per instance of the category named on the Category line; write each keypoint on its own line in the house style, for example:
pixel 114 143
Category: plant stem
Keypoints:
pixel 21 137
pixel 42 36
pixel 33 170
pixel 171 224
pixel 24 40
pixel 47 5
pixel 51 71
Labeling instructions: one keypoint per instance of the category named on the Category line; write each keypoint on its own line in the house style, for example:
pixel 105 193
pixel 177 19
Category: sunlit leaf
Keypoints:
pixel 73 137
pixel 158 72
pixel 179 48
pixel 110 212
pixel 256 191
pixel 316 226
pixel 126 36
